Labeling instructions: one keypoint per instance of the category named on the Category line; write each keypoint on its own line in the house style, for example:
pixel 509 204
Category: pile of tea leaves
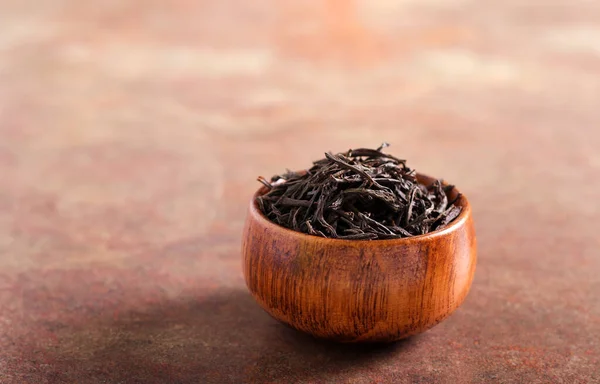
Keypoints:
pixel 361 194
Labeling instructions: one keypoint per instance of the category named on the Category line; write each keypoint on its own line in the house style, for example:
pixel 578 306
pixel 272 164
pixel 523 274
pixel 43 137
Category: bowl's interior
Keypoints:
pixel 422 179
pixel 427 181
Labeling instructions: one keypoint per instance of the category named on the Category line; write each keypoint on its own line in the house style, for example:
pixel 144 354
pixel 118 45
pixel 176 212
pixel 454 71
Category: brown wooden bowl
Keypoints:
pixel 359 290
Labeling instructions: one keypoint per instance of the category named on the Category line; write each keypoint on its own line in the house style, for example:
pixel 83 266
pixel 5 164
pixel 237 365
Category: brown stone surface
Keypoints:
pixel 131 133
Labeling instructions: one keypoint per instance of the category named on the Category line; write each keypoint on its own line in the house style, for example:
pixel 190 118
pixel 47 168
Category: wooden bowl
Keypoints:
pixel 359 290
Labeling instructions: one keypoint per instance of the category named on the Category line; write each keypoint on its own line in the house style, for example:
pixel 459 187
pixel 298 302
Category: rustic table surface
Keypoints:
pixel 131 134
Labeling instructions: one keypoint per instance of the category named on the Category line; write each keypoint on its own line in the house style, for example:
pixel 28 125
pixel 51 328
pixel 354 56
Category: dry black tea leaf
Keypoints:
pixel 361 194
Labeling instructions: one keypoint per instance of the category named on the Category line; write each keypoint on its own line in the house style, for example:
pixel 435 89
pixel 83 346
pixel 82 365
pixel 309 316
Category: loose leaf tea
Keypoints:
pixel 361 194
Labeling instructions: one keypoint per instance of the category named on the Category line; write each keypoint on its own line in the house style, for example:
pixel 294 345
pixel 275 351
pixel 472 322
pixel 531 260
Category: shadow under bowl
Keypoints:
pixel 359 290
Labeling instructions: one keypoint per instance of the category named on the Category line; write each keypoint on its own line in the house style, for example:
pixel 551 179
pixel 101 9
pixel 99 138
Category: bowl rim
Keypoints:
pixel 455 225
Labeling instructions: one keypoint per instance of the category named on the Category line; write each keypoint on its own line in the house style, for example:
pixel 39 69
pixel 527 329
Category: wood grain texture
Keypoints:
pixel 359 291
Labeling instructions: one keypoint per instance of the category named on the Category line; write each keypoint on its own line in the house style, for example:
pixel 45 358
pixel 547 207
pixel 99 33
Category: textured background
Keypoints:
pixel 131 134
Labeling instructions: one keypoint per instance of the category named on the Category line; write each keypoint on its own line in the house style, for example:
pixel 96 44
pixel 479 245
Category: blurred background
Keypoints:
pixel 135 101
pixel 132 133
